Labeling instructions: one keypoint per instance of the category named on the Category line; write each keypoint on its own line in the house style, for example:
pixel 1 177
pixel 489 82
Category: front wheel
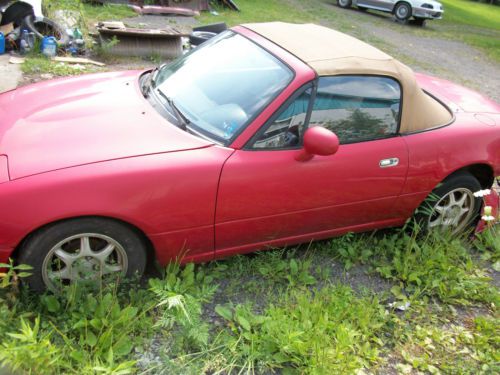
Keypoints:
pixel 86 250
pixel 452 206
pixel 344 3
pixel 402 12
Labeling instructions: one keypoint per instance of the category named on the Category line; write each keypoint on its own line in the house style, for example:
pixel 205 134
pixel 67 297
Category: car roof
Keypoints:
pixel 313 43
pixel 331 52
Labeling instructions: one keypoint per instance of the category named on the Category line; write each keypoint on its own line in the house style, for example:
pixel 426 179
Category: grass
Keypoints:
pixel 472 13
pixel 286 311
pixel 36 64
pixel 476 24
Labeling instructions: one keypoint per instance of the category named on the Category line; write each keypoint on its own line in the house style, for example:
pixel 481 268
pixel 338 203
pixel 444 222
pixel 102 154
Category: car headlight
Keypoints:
pixel 4 169
pixel 428 6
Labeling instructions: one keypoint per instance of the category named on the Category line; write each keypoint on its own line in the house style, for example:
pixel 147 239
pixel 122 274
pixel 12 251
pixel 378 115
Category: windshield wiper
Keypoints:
pixel 148 85
pixel 183 121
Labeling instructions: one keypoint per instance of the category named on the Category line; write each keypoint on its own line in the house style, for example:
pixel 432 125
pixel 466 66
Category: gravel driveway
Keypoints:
pixel 424 49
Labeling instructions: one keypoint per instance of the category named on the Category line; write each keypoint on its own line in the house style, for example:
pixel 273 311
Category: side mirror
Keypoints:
pixel 318 141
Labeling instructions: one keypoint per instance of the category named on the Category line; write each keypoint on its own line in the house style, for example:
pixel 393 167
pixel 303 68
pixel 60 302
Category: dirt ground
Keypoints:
pixel 426 51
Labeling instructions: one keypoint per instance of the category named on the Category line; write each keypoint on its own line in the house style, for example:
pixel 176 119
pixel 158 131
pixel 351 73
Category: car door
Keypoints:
pixel 266 196
pixel 386 5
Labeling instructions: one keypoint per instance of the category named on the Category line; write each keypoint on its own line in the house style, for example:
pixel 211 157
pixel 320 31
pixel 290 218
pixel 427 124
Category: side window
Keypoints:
pixel 357 108
pixel 287 129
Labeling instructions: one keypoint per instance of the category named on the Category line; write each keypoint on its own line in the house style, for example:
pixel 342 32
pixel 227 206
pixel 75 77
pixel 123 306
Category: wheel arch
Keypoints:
pixel 150 250
pixel 482 172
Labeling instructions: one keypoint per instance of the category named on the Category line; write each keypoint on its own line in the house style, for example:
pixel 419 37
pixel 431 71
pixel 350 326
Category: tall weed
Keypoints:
pixel 330 331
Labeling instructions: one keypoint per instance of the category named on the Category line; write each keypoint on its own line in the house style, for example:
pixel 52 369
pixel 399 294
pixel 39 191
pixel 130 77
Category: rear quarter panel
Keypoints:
pixel 435 154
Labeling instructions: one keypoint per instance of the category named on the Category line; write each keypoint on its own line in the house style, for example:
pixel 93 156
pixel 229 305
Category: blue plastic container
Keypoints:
pixel 2 44
pixel 49 46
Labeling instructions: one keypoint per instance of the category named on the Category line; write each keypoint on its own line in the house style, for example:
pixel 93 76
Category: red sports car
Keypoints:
pixel 266 135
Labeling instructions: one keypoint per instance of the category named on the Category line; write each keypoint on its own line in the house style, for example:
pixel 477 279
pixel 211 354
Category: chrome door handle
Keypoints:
pixel 386 163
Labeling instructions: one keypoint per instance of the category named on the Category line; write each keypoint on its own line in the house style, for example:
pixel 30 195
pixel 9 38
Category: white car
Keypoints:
pixel 403 10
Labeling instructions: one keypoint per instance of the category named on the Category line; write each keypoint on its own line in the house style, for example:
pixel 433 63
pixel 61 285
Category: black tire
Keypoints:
pixel 16 13
pixel 200 37
pixel 457 185
pixel 344 3
pixel 39 249
pixel 216 28
pixel 419 22
pixel 402 12
pixel 43 26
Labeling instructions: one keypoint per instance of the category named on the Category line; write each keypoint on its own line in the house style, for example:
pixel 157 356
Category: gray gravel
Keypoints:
pixel 425 49
pixel 448 59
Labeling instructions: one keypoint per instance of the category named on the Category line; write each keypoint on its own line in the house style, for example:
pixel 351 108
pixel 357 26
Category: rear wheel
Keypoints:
pixel 402 12
pixel 344 3
pixel 452 206
pixel 86 250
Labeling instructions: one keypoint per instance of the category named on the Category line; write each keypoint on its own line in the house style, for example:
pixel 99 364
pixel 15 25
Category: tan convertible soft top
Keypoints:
pixel 330 52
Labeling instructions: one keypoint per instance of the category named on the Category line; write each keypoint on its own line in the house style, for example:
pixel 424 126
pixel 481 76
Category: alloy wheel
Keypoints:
pixel 83 257
pixel 453 211
pixel 403 12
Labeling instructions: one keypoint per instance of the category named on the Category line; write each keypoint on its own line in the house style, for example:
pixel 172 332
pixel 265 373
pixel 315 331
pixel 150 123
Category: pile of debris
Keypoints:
pixel 23 28
pixel 166 41
pixel 184 6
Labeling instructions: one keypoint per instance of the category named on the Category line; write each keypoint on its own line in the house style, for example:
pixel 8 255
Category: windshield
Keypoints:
pixel 221 86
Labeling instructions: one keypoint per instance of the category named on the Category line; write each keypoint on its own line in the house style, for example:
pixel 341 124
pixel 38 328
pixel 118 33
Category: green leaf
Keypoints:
pixel 52 303
pixel 77 355
pixel 22 267
pixel 96 323
pixel 225 312
pixel 496 266
pixel 91 339
pixel 129 312
pixel 396 291
pixel 110 356
pixel 24 274
pixel 122 347
pixel 82 323
pixel 243 322
pixel 294 267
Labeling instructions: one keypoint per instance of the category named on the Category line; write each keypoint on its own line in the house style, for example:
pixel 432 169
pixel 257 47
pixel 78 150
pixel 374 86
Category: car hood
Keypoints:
pixel 457 97
pixel 68 122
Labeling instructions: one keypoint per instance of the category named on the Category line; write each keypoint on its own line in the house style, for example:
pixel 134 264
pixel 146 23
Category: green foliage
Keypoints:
pixel 77 331
pixel 42 65
pixel 352 249
pixel 181 294
pixel 12 275
pixel 329 331
pixel 431 339
pixel 30 350
pixel 488 243
pixel 433 265
pixel 281 267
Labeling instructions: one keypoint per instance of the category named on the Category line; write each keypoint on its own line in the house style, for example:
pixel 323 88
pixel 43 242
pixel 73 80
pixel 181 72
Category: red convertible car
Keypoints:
pixel 267 135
